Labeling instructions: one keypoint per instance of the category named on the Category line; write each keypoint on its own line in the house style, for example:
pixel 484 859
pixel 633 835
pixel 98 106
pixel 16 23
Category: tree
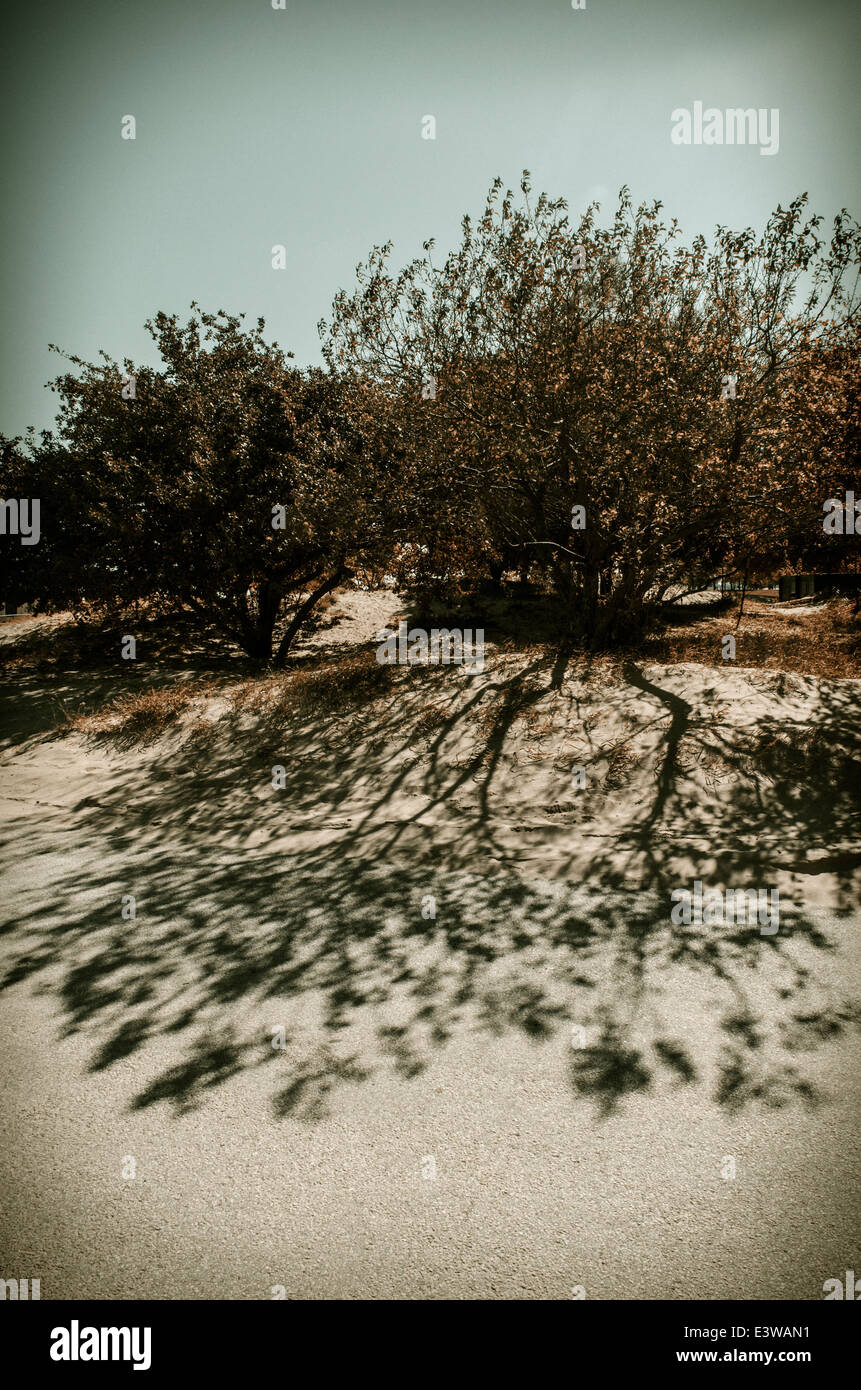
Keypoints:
pixel 226 482
pixel 630 412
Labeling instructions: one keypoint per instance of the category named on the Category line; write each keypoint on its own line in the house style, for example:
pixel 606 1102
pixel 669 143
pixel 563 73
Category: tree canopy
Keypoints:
pixel 227 482
pixel 627 411
pixel 602 406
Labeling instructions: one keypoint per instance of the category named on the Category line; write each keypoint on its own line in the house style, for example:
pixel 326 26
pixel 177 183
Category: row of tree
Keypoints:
pixel 604 409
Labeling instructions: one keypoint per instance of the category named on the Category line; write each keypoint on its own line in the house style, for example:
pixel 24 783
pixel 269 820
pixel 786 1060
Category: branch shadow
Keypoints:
pixel 376 905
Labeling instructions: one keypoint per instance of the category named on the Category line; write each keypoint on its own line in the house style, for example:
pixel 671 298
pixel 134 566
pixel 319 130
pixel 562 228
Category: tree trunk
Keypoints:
pixel 743 593
pixel 590 613
pixel 495 568
pixel 269 597
pixel 303 611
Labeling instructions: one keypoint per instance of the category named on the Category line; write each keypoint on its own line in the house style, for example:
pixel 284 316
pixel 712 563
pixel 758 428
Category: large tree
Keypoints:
pixel 684 397
pixel 224 481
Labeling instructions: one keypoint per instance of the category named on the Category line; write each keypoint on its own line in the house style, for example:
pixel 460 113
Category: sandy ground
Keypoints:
pixel 504 1072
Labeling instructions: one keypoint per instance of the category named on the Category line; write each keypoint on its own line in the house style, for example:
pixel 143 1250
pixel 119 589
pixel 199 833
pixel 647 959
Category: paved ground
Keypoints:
pixel 484 1166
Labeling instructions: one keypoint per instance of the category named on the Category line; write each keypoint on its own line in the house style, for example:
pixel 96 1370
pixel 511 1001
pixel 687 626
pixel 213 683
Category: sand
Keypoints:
pixel 505 1071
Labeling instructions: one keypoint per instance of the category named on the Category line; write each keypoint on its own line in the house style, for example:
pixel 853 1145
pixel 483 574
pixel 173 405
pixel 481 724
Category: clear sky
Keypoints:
pixel 302 126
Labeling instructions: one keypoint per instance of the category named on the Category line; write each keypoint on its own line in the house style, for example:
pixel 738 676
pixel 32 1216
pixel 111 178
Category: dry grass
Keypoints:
pixel 430 721
pixel 336 687
pixel 622 760
pixel 331 688
pixel 135 718
pixel 823 641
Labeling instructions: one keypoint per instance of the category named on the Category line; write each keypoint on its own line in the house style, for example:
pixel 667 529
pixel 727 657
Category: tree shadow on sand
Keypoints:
pixel 379 903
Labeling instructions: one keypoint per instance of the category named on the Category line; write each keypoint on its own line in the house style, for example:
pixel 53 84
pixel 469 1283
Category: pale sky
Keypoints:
pixel 302 126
